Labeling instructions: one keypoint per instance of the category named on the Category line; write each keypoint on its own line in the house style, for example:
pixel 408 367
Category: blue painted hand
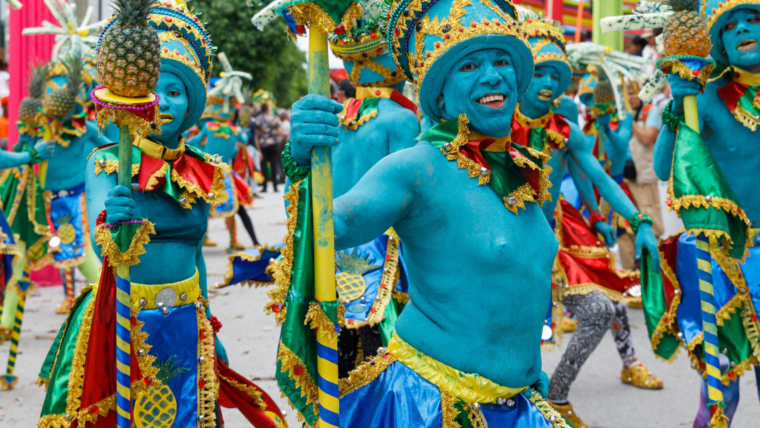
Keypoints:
pixel 681 88
pixel 174 107
pixel 603 121
pixel 482 85
pixel 313 123
pixel 610 237
pixel 45 149
pixel 740 35
pixel 646 239
pixel 119 206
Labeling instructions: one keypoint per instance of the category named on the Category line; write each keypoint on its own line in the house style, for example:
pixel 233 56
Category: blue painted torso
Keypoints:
pixel 66 167
pixel 171 253
pixel 459 240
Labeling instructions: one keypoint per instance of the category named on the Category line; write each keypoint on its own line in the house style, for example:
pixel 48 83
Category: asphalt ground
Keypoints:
pixel 251 337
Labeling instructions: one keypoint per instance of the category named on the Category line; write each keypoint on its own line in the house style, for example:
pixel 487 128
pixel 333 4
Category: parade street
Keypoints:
pixel 251 337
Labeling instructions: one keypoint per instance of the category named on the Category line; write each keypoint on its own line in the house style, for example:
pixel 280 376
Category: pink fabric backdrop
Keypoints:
pixel 23 51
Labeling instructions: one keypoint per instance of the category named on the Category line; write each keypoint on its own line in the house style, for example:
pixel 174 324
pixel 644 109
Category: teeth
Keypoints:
pixel 491 98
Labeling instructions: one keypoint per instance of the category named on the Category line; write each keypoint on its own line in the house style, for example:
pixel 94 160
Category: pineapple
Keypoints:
pixel 61 102
pixel 37 251
pixel 245 112
pixel 685 32
pixel 603 89
pixel 129 61
pixel 350 280
pixel 66 231
pixel 155 408
pixel 30 105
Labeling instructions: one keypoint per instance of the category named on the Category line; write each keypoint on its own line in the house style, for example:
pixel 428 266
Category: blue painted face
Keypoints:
pixel 543 88
pixel 483 86
pixel 174 104
pixel 741 38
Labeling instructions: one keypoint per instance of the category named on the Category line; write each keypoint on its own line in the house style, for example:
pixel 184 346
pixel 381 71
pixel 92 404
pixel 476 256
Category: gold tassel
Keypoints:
pixel 718 419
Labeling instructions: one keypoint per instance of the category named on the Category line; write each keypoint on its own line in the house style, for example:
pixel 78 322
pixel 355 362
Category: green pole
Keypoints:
pixel 602 9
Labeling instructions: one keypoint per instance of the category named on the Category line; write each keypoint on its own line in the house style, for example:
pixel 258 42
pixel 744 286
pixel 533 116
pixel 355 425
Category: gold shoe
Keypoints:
pixel 568 325
pixel 235 246
pixel 207 242
pixel 640 377
pixel 567 412
pixel 65 306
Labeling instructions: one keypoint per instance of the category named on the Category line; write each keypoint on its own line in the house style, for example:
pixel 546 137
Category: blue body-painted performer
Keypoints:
pixel 219 136
pixel 178 366
pixel 585 276
pixel 63 177
pixel 464 192
pixel 728 118
pixel 618 134
pixel 379 121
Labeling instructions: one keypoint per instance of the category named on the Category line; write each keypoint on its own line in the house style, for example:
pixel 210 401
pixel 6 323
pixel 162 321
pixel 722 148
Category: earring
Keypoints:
pixel 187 114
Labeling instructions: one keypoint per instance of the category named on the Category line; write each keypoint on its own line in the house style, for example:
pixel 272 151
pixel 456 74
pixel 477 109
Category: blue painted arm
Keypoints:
pixel 618 145
pixel 97 189
pixel 378 201
pixel 611 192
pixel 94 138
pixel 663 153
pixel 586 190
pixel 584 186
pixel 666 141
pixel 196 139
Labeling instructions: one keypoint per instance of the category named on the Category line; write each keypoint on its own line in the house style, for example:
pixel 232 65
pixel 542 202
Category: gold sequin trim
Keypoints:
pixel 388 282
pixel 305 382
pixel 449 413
pixel 252 393
pixel 366 373
pixel 282 272
pixel 548 411
pixel 110 249
pixel 207 393
pixel 317 319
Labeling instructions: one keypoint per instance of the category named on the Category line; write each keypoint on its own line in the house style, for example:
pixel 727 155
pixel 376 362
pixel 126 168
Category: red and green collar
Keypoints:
pixel 360 110
pixel 742 97
pixel 548 131
pixel 186 173
pixel 67 131
pixel 518 178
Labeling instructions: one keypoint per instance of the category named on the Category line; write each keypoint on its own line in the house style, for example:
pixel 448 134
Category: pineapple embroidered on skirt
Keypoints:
pixel 173 359
pixel 71 228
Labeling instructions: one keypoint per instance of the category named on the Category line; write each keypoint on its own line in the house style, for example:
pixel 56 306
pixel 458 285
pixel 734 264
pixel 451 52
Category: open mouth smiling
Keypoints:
pixel 494 101
pixel 747 45
pixel 545 95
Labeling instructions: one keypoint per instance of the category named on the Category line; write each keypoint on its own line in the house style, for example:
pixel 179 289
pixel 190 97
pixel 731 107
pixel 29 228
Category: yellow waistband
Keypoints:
pixel 470 387
pixel 185 292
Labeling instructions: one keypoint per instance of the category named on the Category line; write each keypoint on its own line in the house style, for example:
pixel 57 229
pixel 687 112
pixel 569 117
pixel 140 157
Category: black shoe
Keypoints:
pixel 263 190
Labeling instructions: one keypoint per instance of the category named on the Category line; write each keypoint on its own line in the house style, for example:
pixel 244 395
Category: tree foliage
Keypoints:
pixel 274 61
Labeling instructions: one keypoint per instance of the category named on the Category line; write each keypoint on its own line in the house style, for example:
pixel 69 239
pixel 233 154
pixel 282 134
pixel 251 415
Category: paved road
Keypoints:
pixel 251 339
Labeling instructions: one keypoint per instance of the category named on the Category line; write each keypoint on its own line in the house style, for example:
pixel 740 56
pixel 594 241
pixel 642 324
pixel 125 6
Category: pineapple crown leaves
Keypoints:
pixel 75 67
pixel 683 5
pixel 132 13
pixel 248 96
pixel 168 369
pixel 39 74
pixel 354 263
